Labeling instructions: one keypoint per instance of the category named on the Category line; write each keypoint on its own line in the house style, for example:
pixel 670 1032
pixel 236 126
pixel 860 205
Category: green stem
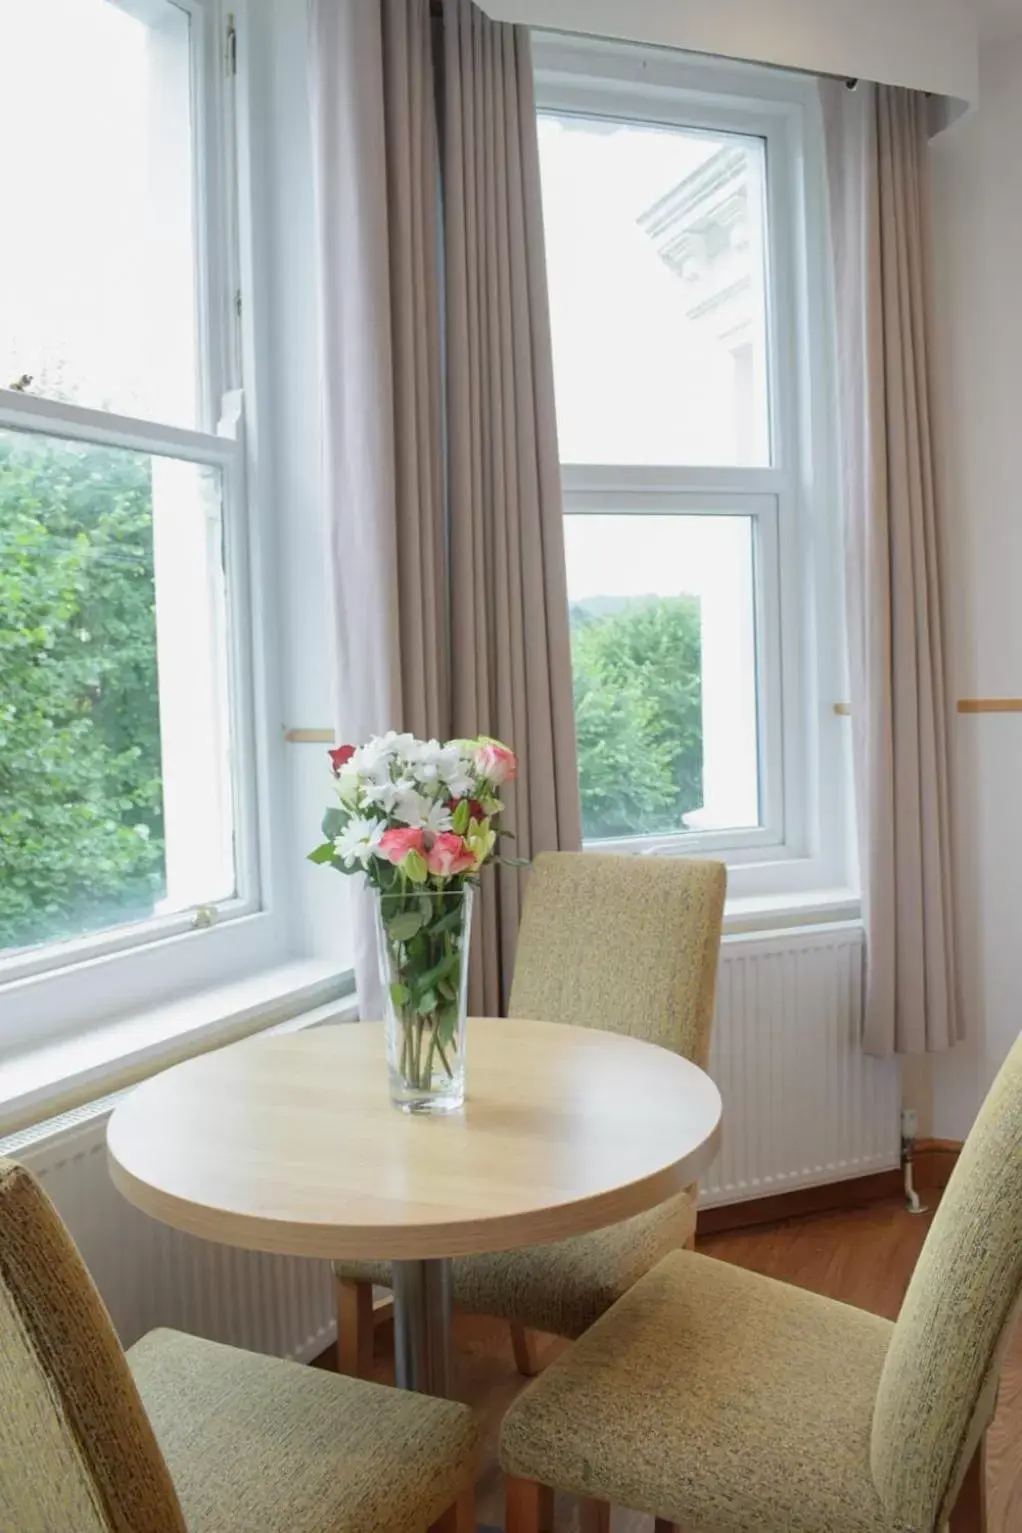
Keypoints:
pixel 440 1050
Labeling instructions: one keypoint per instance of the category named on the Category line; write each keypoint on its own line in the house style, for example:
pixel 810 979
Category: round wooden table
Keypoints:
pixel 291 1144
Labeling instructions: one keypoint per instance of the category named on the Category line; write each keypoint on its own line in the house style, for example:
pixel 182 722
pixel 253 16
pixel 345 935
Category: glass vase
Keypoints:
pixel 422 939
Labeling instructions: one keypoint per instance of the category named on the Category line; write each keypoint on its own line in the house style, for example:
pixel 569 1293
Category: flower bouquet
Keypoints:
pixel 417 819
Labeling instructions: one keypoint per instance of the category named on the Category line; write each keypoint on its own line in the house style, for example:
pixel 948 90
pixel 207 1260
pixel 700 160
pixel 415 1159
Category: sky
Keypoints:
pixel 96 267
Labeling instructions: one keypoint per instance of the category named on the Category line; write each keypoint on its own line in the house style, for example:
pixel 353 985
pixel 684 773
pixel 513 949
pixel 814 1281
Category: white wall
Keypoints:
pixel 927 44
pixel 978 236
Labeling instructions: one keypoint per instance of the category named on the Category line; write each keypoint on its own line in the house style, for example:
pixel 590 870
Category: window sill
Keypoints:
pixel 762 913
pixel 64 1073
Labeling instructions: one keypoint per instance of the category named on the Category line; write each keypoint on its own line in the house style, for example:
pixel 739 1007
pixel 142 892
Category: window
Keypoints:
pixel 125 814
pixel 681 222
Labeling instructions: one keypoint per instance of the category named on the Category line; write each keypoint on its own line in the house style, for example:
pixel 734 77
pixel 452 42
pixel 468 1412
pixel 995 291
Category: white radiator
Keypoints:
pixel 150 1275
pixel 802 1104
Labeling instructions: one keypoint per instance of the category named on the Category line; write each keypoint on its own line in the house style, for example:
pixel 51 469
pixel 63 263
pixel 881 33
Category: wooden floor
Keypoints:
pixel 863 1257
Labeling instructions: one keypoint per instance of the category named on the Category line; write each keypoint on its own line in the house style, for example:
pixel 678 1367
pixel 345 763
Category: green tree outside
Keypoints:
pixel 81 803
pixel 638 711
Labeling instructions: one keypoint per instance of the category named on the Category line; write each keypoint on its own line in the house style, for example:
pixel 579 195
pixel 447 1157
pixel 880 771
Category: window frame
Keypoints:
pixel 60 987
pixel 802 841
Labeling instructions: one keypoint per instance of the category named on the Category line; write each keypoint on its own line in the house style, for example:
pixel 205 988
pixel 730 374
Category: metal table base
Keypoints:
pixel 422 1325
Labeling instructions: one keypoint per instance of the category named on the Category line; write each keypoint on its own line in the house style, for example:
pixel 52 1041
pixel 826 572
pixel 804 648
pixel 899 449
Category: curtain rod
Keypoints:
pixel 436 11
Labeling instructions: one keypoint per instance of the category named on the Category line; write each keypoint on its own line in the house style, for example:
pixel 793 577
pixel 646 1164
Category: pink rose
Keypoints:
pixel 397 844
pixel 448 855
pixel 495 762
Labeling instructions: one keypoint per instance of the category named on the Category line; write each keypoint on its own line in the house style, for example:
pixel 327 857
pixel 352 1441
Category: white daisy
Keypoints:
pixel 454 769
pixel 358 840
pixel 416 809
pixel 385 794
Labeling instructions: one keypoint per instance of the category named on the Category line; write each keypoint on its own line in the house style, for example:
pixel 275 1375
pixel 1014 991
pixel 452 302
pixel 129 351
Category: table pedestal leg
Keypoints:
pixel 422 1326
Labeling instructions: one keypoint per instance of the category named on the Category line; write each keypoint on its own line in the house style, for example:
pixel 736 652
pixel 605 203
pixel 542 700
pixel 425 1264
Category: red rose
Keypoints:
pixel 342 754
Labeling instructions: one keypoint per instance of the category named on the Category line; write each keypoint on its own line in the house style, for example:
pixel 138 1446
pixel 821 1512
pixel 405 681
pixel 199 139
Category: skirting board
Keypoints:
pixel 933 1164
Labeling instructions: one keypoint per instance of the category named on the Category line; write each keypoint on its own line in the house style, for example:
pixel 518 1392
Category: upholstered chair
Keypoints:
pixel 628 944
pixel 715 1399
pixel 186 1436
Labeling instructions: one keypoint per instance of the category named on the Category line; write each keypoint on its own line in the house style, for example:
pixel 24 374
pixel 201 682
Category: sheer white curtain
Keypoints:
pixel 378 196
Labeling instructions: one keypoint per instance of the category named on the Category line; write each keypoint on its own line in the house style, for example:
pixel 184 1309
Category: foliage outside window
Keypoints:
pixel 81 801
pixel 118 790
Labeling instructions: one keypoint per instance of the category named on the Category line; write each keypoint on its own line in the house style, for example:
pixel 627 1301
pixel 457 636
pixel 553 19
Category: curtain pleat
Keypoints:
pixel 441 465
pixel 510 645
pixel 877 152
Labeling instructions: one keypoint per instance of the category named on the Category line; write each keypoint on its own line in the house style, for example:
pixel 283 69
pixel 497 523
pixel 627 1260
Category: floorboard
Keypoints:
pixel 863 1257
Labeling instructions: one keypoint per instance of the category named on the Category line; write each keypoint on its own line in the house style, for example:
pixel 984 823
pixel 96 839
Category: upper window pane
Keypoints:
pixel 115 784
pixel 97 262
pixel 655 253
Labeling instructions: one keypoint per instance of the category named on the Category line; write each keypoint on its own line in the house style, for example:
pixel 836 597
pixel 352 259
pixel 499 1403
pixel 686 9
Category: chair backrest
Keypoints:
pixel 939 1382
pixel 625 943
pixel 76 1447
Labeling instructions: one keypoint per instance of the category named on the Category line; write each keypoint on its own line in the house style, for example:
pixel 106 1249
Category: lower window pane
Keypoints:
pixel 115 800
pixel 664 657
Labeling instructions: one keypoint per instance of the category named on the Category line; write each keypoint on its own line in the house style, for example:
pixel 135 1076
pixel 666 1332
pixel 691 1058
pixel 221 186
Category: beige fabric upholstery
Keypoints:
pixel 256 1443
pixel 715 1398
pixel 76 1449
pixel 725 1401
pixel 566 1285
pixel 956 1318
pixel 251 1443
pixel 629 944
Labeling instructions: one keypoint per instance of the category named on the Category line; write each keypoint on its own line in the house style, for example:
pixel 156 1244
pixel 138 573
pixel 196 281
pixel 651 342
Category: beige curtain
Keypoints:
pixel 878 167
pixel 441 453
pixel 510 646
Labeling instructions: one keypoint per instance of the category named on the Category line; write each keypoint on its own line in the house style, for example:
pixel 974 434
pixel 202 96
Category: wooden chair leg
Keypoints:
pixel 970 1513
pixel 593 1516
pixel 459 1518
pixel 523 1345
pixel 529 1506
pixel 354 1328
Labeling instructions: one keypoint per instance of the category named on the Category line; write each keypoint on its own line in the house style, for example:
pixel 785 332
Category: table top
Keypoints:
pixel 291 1144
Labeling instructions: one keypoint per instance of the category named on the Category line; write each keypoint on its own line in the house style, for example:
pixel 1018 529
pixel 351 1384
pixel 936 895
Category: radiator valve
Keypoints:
pixel 909 1134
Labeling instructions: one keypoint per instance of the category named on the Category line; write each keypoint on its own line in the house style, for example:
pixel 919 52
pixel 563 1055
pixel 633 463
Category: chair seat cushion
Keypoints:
pixel 255 1443
pixel 565 1286
pixel 715 1398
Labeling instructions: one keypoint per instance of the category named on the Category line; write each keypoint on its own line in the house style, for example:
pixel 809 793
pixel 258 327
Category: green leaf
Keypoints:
pixel 400 995
pixel 460 818
pixel 426 1003
pixel 333 823
pixel 448 922
pixel 403 927
pixel 414 868
pixel 447 964
pixel 324 853
pixel 447 990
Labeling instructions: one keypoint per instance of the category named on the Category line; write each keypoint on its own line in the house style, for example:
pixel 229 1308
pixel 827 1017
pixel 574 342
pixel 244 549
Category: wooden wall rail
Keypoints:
pixel 843 710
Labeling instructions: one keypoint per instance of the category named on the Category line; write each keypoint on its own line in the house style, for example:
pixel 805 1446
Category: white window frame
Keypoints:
pixel 62 987
pixel 802 840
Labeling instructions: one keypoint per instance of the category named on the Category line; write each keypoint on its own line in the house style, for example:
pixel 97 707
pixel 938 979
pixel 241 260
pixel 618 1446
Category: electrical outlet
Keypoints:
pixel 909 1123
